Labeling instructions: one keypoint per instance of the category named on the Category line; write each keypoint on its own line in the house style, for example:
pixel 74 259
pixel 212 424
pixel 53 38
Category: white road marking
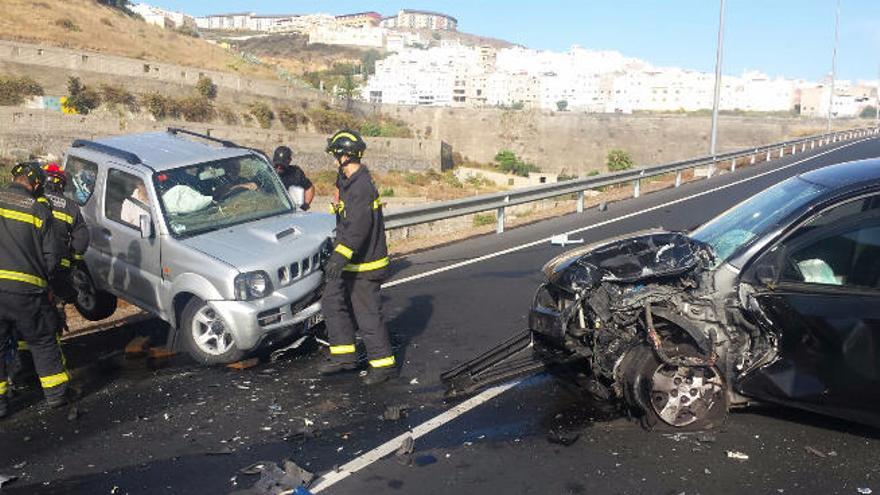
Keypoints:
pixel 603 223
pixel 346 470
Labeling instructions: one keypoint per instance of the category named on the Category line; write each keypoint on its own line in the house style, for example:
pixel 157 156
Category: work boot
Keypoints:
pixel 58 401
pixel 334 366
pixel 376 376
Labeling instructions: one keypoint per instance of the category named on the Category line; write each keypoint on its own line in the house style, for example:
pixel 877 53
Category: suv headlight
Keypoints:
pixel 252 285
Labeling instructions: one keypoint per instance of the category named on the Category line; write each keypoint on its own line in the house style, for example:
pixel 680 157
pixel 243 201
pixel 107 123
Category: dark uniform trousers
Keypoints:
pixel 32 318
pixel 353 304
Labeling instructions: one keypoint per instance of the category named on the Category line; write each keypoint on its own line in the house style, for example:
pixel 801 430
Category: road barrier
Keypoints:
pixel 501 201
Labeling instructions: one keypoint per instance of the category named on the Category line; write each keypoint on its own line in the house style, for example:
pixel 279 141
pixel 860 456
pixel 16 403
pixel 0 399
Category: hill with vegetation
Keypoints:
pixel 100 27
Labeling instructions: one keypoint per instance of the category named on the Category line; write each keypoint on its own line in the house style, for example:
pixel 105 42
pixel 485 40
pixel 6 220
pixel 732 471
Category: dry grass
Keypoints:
pixel 102 29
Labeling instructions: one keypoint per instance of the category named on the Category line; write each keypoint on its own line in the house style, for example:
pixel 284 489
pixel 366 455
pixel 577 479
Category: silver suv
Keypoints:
pixel 201 233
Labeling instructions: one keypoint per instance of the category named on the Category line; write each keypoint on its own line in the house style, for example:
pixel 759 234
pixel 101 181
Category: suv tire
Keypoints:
pixel 93 304
pixel 205 335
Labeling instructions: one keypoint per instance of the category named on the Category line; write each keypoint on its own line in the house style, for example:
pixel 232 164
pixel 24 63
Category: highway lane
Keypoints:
pixel 125 439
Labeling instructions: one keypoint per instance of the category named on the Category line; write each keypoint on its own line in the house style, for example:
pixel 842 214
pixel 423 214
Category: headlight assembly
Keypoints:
pixel 252 285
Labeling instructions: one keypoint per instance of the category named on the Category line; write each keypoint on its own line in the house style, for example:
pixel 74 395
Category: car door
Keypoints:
pixel 824 305
pixel 130 263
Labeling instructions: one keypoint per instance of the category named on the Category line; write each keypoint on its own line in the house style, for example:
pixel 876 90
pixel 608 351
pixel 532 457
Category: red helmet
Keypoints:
pixel 55 175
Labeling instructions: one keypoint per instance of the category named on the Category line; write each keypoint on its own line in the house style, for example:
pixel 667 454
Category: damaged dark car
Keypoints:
pixel 776 300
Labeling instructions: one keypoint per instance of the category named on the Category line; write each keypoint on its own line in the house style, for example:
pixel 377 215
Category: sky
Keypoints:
pixel 787 38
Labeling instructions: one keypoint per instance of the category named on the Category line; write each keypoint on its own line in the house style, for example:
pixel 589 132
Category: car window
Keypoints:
pixel 81 179
pixel 126 198
pixel 840 246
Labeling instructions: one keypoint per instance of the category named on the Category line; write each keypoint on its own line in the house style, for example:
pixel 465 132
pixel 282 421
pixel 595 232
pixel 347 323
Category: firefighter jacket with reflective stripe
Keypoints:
pixel 360 227
pixel 74 230
pixel 29 249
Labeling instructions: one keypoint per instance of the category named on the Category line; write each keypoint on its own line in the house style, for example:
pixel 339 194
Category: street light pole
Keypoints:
pixel 718 55
pixel 833 65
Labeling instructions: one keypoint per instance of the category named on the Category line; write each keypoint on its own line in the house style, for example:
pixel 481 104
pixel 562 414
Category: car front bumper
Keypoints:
pixel 251 321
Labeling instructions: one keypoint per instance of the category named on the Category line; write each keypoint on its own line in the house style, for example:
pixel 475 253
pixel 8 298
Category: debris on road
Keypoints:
pixel 816 452
pixel 255 468
pixel 562 437
pixel 137 346
pixel 395 412
pixel 278 353
pixel 161 352
pixel 865 491
pixel 563 240
pixel 404 452
pixel 425 460
pixel 6 479
pixel 739 456
pixel 273 480
pixel 244 364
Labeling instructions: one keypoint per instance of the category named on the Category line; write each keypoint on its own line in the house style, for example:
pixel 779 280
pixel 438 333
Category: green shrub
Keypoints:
pixel 65 23
pixel 507 161
pixel 196 108
pixel 291 119
pixel 80 97
pixel 593 173
pixel 619 160
pixel 451 180
pixel 15 89
pixel 385 127
pixel 262 114
pixel 206 87
pixel 388 192
pixel 327 120
pixel 481 219
pixel 160 106
pixel 118 96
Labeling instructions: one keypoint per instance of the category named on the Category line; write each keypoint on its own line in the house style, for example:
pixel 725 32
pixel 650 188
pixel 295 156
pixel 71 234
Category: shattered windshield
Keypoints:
pixel 209 196
pixel 749 220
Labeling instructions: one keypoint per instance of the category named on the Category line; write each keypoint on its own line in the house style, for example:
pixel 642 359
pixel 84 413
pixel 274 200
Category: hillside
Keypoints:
pixel 293 53
pixel 87 25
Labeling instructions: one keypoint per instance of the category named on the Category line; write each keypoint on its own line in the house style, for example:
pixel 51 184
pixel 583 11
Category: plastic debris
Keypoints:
pixel 255 468
pixel 865 491
pixel 414 381
pixel 404 452
pixel 275 480
pixel 816 452
pixel 395 412
pixel 6 479
pixel 739 456
pixel 563 240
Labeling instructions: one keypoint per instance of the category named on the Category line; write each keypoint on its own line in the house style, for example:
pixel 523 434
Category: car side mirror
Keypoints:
pixel 297 195
pixel 145 225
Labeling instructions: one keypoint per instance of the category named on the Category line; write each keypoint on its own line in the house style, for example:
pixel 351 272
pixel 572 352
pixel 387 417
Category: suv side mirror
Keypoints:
pixel 145 225
pixel 766 274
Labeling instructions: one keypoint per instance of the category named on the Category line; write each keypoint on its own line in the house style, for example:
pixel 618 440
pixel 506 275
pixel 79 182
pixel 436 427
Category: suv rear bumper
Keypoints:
pixel 251 321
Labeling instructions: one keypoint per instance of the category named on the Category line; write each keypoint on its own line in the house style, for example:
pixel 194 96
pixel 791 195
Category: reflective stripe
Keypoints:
pixel 65 262
pixel 342 349
pixel 344 250
pixel 366 267
pixel 21 217
pixel 2 388
pixel 23 277
pixel 377 203
pixel 42 199
pixel 23 346
pixel 78 257
pixel 345 134
pixel 54 380
pixel 382 363
pixel 64 217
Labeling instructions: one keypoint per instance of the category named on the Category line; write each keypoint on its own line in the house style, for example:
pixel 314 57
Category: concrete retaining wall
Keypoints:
pixel 23 131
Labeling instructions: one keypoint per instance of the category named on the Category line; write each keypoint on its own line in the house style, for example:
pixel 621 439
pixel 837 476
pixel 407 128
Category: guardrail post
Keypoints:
pixel 733 165
pixel 637 188
pixel 768 156
pixel 754 157
pixel 711 171
pixel 781 152
pixel 499 228
pixel 678 178
pixel 580 202
pixel 803 146
pixel 793 149
pixel 812 144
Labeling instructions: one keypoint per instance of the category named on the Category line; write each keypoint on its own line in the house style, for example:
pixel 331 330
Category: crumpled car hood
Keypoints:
pixel 655 254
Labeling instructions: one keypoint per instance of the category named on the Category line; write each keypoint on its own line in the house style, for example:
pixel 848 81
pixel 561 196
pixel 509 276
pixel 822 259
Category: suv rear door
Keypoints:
pixel 129 263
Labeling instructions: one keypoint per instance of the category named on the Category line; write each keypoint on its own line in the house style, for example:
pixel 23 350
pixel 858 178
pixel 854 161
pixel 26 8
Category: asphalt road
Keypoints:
pixel 149 426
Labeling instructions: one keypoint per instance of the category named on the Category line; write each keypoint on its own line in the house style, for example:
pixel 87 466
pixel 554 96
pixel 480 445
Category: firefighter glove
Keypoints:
pixel 334 266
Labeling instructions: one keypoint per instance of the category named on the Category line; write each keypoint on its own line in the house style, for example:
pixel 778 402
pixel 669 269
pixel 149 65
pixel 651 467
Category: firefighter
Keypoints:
pixel 29 254
pixel 356 268
pixel 73 230
pixel 292 175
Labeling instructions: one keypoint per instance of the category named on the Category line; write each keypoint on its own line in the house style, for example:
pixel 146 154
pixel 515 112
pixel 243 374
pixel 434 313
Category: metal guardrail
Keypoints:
pixel 500 201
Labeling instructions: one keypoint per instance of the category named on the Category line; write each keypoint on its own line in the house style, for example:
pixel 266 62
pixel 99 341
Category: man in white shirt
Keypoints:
pixel 135 206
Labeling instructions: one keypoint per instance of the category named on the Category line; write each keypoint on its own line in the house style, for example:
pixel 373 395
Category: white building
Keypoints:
pixel 420 19
pixel 163 18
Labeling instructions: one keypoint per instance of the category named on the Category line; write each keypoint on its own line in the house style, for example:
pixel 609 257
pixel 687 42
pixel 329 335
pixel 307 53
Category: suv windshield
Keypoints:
pixel 210 196
pixel 749 220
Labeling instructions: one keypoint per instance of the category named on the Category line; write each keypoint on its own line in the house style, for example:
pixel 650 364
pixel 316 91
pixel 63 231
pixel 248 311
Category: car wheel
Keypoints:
pixel 669 397
pixel 92 304
pixel 206 336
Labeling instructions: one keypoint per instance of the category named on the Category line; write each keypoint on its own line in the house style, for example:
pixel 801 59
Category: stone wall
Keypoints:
pixel 24 131
pixel 73 61
pixel 576 143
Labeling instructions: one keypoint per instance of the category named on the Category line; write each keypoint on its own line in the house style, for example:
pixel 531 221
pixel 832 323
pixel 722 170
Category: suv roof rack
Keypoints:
pixel 224 142
pixel 108 150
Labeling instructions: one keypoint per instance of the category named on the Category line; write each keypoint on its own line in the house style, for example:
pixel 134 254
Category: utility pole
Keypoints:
pixel 833 65
pixel 718 55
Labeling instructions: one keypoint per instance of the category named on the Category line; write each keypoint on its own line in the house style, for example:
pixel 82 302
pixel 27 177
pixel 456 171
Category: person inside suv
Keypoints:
pixel 135 205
